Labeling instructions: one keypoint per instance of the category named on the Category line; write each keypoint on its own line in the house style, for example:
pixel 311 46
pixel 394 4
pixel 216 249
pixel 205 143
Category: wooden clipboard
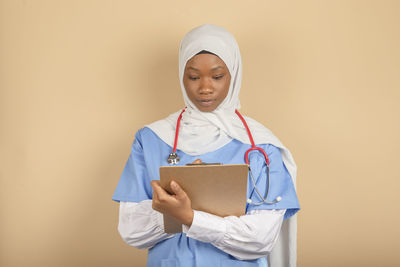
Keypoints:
pixel 216 189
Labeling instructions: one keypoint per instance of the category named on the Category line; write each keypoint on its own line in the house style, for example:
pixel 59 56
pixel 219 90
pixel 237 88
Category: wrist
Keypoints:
pixel 188 219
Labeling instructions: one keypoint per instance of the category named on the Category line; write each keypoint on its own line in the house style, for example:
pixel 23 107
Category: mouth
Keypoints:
pixel 205 102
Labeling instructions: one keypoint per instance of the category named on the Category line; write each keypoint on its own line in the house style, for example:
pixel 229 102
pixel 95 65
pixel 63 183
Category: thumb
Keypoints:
pixel 178 191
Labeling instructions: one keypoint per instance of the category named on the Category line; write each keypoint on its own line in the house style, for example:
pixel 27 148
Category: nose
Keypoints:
pixel 206 87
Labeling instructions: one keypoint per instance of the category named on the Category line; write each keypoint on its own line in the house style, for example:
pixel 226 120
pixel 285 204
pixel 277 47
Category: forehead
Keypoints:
pixel 205 60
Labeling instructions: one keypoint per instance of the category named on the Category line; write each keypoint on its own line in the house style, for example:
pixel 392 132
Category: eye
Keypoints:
pixel 218 77
pixel 193 78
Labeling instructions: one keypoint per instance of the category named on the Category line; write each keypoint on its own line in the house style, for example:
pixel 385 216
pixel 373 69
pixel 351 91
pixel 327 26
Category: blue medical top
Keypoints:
pixel 149 153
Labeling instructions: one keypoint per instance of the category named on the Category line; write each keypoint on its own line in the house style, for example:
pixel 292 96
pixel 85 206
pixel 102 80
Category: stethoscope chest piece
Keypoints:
pixel 173 158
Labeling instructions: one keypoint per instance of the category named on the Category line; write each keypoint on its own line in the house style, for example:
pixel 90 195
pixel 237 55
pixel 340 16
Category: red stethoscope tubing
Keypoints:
pixel 178 122
pixel 253 146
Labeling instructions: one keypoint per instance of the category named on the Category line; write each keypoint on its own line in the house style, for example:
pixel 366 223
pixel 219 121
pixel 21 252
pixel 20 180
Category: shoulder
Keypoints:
pixel 143 137
pixel 270 148
pixel 273 152
pixel 144 134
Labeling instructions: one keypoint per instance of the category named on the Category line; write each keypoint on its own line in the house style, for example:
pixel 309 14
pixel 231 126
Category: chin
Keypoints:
pixel 207 109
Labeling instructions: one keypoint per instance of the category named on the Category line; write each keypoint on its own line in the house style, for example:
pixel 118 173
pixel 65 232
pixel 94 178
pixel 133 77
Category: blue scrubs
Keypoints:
pixel 149 152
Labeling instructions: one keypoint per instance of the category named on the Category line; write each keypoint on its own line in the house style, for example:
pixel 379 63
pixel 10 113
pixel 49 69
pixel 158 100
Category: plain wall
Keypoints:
pixel 79 78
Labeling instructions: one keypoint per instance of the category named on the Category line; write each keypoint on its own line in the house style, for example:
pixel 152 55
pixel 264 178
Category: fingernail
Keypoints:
pixel 174 185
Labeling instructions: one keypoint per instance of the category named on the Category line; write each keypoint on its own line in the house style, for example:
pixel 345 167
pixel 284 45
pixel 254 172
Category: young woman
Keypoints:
pixel 211 130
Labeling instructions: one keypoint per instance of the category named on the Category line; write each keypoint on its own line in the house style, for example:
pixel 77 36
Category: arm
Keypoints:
pixel 141 226
pixel 246 238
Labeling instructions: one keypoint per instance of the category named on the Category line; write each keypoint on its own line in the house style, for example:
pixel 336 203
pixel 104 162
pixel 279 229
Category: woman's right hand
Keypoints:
pixel 177 205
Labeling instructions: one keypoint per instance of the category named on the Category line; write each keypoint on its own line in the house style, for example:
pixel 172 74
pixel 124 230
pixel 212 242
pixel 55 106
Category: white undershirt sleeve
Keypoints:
pixel 246 237
pixel 141 226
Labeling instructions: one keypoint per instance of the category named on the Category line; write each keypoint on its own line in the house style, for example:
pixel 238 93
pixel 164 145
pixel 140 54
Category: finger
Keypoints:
pixel 197 161
pixel 154 202
pixel 162 195
pixel 178 191
pixel 156 189
pixel 154 183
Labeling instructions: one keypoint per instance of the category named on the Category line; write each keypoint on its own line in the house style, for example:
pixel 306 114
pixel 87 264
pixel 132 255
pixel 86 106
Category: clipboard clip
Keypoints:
pixel 202 164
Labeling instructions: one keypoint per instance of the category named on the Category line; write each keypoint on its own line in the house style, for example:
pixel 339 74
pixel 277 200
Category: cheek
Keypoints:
pixel 225 88
pixel 190 89
pixel 186 85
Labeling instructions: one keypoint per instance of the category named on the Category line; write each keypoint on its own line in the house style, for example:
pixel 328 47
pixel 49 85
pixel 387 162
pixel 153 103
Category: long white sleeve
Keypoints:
pixel 141 226
pixel 246 237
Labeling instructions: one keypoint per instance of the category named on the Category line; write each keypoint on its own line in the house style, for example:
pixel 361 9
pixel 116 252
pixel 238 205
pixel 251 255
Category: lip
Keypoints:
pixel 205 102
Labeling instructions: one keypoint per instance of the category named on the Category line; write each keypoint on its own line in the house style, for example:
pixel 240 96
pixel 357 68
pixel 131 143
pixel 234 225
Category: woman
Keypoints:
pixel 210 130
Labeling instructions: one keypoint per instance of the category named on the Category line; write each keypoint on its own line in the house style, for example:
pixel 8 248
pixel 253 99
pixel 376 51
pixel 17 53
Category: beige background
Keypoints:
pixel 79 78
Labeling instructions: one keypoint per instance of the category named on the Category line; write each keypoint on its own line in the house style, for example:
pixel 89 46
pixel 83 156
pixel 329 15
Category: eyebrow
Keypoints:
pixel 192 68
pixel 218 67
pixel 215 68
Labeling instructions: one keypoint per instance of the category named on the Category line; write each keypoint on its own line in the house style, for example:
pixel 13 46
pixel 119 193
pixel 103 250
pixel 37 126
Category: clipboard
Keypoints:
pixel 217 189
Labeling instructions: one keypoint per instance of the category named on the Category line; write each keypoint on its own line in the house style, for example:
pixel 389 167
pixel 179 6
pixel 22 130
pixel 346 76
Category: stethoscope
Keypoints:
pixel 173 158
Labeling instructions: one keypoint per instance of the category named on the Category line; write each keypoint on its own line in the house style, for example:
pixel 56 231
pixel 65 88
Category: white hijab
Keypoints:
pixel 202 132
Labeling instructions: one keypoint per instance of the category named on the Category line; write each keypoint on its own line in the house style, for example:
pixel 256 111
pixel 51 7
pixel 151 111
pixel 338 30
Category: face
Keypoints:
pixel 206 79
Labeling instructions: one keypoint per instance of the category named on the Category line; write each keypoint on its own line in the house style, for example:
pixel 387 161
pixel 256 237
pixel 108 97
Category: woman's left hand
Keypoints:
pixel 178 205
